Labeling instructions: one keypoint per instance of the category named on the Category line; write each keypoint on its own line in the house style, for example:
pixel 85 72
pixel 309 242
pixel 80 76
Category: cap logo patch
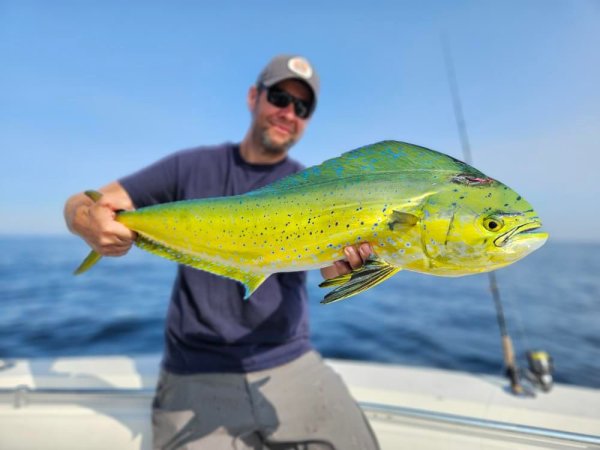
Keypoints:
pixel 300 67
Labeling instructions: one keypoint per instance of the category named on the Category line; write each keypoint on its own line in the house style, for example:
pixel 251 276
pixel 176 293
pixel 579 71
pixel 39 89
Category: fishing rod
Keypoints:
pixel 539 361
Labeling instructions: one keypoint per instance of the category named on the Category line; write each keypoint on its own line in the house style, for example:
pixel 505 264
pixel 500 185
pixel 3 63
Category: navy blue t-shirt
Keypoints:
pixel 210 328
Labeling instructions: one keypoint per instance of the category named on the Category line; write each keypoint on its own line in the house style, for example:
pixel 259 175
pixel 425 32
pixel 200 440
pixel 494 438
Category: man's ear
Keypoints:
pixel 252 97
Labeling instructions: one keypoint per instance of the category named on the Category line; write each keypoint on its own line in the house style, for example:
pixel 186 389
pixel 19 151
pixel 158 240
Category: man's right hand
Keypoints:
pixel 95 221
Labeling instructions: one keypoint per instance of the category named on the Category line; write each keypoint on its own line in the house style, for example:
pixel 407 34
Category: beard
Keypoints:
pixel 272 146
pixel 275 147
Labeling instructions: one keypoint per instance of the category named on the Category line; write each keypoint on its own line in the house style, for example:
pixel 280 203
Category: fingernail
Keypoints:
pixel 349 251
pixel 365 250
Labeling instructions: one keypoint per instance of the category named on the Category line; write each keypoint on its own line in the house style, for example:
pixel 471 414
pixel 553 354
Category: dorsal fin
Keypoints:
pixel 382 157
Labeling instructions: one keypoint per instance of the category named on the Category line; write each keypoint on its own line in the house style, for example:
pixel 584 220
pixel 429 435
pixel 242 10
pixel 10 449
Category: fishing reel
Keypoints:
pixel 539 372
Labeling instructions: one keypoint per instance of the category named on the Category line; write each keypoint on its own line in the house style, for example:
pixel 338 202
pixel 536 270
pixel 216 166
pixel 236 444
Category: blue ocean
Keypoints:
pixel 551 301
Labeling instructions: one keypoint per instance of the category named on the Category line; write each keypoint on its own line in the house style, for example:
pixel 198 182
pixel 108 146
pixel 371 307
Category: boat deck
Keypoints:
pixel 104 402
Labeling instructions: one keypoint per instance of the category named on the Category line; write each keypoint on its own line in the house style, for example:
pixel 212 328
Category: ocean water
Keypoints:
pixel 551 301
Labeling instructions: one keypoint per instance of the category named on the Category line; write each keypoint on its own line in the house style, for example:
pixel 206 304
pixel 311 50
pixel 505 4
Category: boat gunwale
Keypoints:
pixel 24 396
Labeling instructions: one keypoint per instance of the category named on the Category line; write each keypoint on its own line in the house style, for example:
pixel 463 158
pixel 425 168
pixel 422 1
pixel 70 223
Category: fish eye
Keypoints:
pixel 492 223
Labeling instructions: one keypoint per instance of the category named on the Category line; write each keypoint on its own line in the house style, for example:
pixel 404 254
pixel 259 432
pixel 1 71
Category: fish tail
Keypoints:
pixel 93 257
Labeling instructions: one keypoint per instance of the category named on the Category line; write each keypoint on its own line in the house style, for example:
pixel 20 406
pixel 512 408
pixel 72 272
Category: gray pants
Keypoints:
pixel 302 405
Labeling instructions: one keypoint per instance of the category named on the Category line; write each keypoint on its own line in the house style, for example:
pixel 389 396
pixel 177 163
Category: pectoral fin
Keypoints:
pixel 373 272
pixel 400 221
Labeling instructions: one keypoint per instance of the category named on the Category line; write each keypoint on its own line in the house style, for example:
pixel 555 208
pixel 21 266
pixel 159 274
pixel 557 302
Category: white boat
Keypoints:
pixel 104 403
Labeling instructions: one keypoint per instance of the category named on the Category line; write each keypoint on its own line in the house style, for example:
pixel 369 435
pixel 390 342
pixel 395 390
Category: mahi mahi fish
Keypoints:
pixel 420 210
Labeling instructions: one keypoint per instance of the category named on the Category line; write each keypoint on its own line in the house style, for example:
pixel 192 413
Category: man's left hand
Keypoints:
pixel 356 255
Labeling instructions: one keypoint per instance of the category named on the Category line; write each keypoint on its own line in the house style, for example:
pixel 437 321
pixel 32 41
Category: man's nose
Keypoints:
pixel 288 111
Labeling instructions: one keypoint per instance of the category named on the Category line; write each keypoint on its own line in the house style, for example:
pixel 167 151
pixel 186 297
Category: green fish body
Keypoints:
pixel 419 209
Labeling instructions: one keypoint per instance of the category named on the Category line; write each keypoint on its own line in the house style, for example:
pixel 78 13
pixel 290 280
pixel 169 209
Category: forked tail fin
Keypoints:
pixel 93 256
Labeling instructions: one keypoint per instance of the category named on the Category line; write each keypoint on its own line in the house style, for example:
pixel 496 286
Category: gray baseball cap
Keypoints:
pixel 285 67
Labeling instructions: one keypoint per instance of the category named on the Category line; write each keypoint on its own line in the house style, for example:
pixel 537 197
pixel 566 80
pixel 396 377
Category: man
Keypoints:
pixel 237 374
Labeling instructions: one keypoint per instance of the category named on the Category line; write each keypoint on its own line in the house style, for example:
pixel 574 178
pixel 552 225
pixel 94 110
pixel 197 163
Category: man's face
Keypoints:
pixel 277 129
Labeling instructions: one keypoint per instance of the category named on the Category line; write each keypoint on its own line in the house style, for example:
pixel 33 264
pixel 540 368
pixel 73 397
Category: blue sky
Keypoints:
pixel 90 91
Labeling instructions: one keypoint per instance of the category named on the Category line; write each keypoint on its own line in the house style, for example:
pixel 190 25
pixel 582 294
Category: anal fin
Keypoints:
pixel 374 271
pixel 250 280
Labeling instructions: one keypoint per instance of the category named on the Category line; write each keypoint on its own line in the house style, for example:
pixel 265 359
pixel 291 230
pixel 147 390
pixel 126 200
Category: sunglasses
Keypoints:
pixel 281 99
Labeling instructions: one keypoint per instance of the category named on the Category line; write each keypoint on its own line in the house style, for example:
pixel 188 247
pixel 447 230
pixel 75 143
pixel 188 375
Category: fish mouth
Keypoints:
pixel 522 232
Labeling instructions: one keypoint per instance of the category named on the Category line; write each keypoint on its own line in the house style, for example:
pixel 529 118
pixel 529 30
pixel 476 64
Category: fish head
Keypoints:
pixel 477 224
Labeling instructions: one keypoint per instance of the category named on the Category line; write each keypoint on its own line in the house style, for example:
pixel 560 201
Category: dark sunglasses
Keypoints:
pixel 281 99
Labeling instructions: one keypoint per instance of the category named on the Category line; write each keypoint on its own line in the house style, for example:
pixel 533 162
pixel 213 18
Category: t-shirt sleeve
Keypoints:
pixel 154 184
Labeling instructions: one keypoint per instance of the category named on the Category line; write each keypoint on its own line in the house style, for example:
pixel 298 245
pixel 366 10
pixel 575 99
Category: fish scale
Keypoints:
pixel 419 209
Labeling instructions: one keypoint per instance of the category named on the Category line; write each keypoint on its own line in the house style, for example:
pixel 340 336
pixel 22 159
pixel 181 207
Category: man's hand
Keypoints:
pixel 95 222
pixel 103 233
pixel 356 255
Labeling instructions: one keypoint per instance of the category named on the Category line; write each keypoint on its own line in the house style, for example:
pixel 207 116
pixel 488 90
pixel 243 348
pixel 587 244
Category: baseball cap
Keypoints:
pixel 285 67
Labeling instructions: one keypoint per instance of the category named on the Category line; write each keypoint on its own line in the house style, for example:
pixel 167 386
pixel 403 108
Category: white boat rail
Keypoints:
pixel 23 396
pixel 106 403
pixel 562 439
